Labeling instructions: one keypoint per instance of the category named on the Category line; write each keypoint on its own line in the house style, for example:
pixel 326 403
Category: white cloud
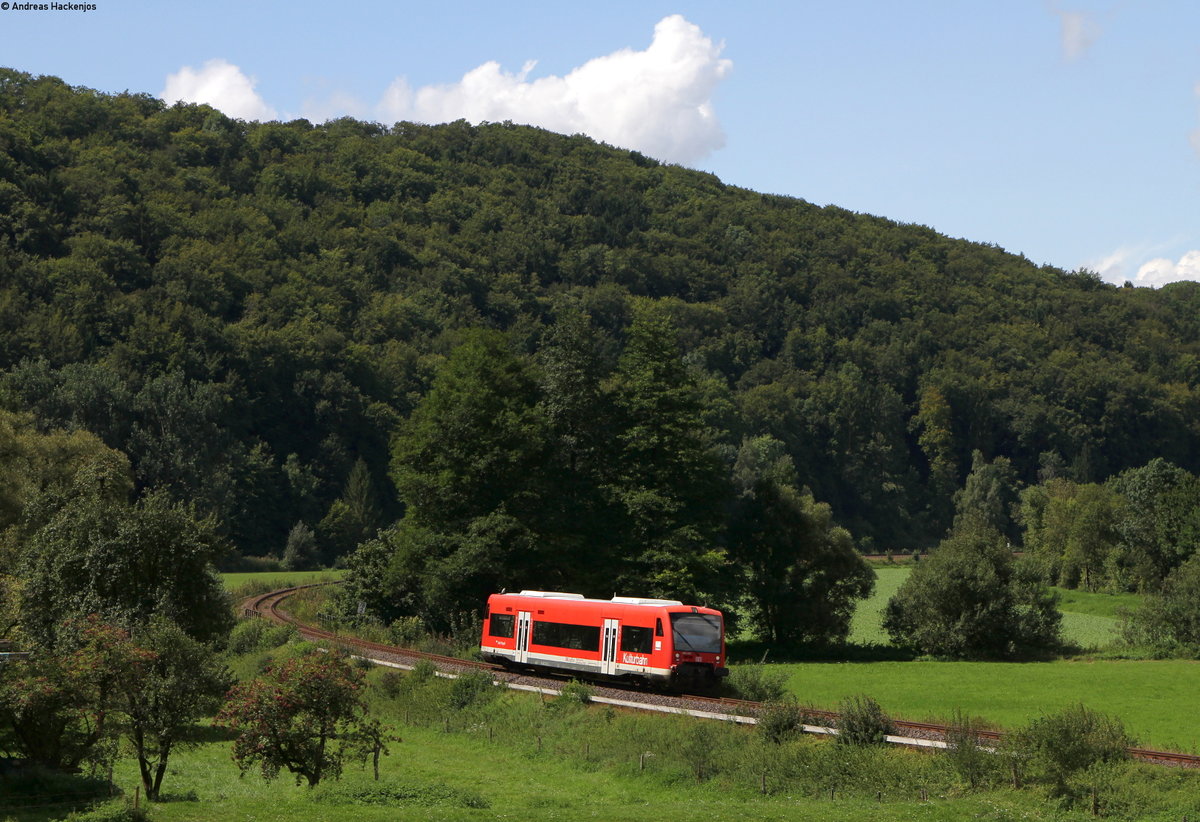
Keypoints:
pixel 221 85
pixel 658 101
pixel 1112 267
pixel 1079 32
pixel 1161 271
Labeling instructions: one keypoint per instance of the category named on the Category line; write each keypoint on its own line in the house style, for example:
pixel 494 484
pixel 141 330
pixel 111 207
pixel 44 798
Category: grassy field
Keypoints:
pixel 277 579
pixel 1090 620
pixel 596 764
pixel 1148 696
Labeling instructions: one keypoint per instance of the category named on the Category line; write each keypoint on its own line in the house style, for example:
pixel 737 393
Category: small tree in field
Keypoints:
pixel 304 714
pixel 174 681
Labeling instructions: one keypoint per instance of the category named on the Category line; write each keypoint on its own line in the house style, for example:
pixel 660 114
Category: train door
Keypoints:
pixel 608 653
pixel 523 625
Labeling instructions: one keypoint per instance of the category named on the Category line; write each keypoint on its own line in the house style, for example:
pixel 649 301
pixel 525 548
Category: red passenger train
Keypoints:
pixel 660 641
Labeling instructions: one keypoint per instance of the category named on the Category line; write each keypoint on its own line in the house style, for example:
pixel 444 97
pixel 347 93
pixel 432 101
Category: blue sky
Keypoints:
pixel 1065 131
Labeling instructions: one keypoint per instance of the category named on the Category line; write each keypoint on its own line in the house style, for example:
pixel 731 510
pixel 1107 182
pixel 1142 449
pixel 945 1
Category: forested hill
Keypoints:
pixel 246 310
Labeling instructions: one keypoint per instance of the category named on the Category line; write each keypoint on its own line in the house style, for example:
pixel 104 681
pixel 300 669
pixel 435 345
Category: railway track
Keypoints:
pixel 921 734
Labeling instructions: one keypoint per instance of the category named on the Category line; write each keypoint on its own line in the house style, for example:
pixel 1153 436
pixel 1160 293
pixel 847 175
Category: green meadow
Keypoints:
pixel 1149 696
pixel 1091 621
pixel 271 580
pixel 1157 700
pixel 510 756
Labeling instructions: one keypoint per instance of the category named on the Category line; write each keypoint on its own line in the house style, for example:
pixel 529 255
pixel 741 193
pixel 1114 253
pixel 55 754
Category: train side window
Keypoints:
pixel 658 627
pixel 501 625
pixel 636 640
pixel 566 635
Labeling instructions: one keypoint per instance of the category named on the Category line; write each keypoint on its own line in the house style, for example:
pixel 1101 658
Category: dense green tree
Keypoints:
pixel 353 517
pixel 803 574
pixel 969 599
pixel 671 484
pixel 580 516
pixel 300 552
pixel 990 495
pixel 244 309
pixel 125 562
pixel 1161 525
pixel 934 424
pixel 1073 530
pixel 474 444
pixel 1169 619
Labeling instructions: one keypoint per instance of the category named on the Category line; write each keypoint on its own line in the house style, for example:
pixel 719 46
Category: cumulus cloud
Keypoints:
pixel 1161 271
pixel 221 85
pixel 657 101
pixel 1079 32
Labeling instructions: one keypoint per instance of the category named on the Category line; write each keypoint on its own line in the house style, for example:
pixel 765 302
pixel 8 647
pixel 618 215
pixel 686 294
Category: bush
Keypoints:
pixel 862 722
pixel 781 720
pixel 250 565
pixel 424 671
pixel 1073 740
pixel 29 784
pixel 970 762
pixel 470 688
pixel 574 694
pixel 117 811
pixel 391 683
pixel 756 683
pixel 257 634
pixel 969 599
pixel 407 632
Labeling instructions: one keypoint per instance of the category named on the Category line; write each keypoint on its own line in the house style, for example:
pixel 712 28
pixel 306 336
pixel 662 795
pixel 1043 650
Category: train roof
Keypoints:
pixel 561 595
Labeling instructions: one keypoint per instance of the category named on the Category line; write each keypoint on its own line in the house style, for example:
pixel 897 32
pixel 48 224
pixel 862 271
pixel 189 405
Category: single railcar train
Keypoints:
pixel 656 641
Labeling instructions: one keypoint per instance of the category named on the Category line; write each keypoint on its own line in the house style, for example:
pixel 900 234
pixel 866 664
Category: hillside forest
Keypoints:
pixel 492 355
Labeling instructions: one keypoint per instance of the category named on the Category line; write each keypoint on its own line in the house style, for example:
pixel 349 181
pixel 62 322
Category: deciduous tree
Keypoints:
pixel 304 714
pixel 969 599
pixel 172 682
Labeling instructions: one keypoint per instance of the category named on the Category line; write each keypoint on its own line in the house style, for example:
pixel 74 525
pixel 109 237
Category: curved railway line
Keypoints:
pixel 919 734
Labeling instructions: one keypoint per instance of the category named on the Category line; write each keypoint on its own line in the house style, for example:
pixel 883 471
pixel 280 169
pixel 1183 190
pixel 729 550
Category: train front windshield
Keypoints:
pixel 697 632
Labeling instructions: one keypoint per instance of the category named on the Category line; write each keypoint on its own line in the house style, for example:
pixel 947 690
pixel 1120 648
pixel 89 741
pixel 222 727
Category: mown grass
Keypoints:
pixel 1091 621
pixel 1148 696
pixel 865 626
pixel 1095 603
